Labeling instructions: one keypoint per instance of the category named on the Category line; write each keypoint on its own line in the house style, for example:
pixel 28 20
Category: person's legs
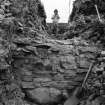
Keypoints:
pixel 53 28
pixel 56 28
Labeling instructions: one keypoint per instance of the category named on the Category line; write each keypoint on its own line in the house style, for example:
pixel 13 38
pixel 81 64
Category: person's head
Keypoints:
pixel 55 11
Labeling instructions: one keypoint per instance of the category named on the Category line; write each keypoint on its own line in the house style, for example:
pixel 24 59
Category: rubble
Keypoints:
pixel 34 65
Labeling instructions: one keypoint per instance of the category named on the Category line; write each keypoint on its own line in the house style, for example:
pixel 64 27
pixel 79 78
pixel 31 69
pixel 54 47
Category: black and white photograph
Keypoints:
pixel 52 52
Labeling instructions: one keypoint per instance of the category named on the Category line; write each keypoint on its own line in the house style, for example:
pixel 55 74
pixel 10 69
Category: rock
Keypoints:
pixel 41 81
pixel 83 62
pixel 68 62
pixel 15 102
pixel 27 85
pixel 88 49
pixel 27 78
pixel 44 79
pixel 69 66
pixel 58 77
pixel 32 49
pixel 99 100
pixel 68 59
pixel 45 95
pixel 70 73
pixel 26 72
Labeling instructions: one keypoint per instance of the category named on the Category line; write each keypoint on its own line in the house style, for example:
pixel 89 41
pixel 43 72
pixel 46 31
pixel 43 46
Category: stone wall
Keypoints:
pixel 46 70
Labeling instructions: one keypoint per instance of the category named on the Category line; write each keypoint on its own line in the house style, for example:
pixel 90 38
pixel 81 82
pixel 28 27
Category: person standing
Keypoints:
pixel 55 19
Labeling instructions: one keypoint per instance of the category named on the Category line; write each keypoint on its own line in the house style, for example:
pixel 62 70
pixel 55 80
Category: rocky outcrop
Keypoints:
pixel 84 21
pixel 17 18
pixel 87 8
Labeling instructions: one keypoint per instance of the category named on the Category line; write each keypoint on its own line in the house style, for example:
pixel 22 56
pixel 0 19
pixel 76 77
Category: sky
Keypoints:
pixel 64 8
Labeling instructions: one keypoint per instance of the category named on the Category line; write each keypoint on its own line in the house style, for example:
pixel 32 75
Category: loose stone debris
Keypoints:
pixel 36 69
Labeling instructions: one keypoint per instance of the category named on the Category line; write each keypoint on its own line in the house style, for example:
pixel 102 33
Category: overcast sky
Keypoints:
pixel 61 5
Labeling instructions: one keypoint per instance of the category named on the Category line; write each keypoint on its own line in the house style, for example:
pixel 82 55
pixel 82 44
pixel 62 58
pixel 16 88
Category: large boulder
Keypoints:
pixel 45 95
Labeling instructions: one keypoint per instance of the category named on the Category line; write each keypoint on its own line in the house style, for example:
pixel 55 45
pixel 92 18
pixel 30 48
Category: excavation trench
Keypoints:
pixel 36 69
